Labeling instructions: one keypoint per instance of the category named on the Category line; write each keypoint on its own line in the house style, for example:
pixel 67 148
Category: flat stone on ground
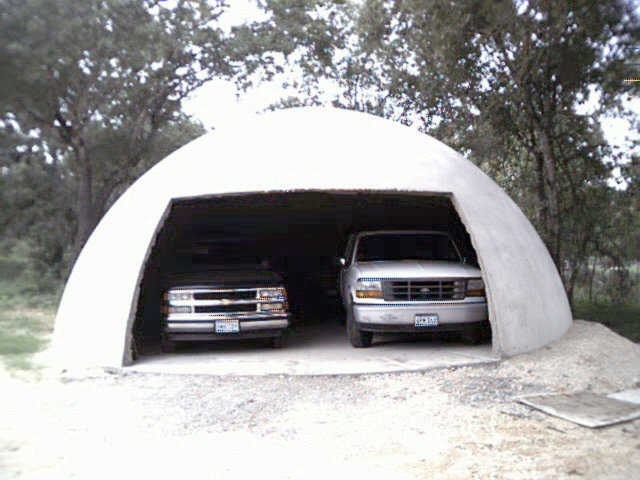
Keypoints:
pixel 632 395
pixel 585 408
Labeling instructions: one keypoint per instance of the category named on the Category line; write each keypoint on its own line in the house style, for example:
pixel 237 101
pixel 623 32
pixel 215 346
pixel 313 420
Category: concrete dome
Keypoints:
pixel 309 149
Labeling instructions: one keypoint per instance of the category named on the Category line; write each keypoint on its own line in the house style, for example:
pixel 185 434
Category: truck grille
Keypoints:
pixel 228 295
pixel 243 302
pixel 418 290
pixel 251 307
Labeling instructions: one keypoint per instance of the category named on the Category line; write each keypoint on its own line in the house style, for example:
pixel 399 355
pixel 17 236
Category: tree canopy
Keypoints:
pixel 92 96
pixel 99 80
pixel 505 82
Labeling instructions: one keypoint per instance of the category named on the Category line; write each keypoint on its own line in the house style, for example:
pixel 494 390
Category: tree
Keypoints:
pixel 38 222
pixel 502 81
pixel 101 79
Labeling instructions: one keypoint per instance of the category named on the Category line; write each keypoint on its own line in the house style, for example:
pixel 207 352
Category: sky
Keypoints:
pixel 218 101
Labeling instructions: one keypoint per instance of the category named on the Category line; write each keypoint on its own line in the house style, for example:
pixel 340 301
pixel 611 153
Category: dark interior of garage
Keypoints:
pixel 300 235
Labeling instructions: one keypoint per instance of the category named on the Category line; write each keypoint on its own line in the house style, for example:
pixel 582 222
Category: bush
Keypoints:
pixel 623 319
pixel 22 285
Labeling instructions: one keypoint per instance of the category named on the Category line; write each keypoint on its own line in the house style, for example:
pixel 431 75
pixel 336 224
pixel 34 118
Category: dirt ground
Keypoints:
pixel 457 423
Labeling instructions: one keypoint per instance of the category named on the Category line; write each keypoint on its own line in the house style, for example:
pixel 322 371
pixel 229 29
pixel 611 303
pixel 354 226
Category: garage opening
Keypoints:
pixel 300 235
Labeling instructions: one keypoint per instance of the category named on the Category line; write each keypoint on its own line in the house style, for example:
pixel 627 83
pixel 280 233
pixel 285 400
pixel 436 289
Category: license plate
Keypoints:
pixel 426 319
pixel 227 326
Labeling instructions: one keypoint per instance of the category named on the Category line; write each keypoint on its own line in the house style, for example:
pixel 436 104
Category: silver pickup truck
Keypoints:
pixel 225 303
pixel 409 281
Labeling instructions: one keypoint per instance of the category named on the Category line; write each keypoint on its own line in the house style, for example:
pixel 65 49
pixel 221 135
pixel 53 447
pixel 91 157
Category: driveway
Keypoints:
pixel 447 423
pixel 317 349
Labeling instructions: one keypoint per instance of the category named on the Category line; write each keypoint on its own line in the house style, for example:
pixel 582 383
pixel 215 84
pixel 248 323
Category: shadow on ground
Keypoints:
pixel 317 348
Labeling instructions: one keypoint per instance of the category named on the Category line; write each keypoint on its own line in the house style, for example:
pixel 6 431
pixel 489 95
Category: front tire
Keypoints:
pixel 279 341
pixel 167 346
pixel 357 337
pixel 474 336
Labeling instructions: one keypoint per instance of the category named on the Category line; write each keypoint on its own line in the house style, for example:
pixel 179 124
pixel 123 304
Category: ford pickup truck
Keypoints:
pixel 224 302
pixel 409 281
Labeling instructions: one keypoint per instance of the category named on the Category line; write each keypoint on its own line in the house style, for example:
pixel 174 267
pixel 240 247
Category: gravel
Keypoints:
pixel 449 423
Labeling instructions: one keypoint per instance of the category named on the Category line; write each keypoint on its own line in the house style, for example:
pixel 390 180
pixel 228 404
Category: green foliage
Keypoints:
pixel 501 81
pixel 23 332
pixel 38 220
pixel 98 81
pixel 28 300
pixel 92 96
pixel 623 319
pixel 24 284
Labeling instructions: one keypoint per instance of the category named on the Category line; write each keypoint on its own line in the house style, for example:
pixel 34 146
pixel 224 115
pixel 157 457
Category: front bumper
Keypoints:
pixel 401 318
pixel 204 329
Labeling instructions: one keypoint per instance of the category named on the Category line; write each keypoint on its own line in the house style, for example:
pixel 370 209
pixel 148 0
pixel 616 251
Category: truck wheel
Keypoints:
pixel 167 346
pixel 357 337
pixel 134 350
pixel 279 341
pixel 474 336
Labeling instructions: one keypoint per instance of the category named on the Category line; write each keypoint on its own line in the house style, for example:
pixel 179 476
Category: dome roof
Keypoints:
pixel 309 149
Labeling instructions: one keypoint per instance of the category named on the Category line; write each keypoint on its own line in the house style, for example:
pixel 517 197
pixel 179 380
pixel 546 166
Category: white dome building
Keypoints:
pixel 307 153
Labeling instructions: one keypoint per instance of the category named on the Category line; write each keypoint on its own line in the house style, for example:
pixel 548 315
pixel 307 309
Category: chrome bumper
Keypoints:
pixel 246 324
pixel 404 315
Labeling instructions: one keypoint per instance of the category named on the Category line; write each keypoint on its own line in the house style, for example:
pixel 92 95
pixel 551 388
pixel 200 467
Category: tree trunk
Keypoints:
pixel 542 196
pixel 592 274
pixel 86 214
pixel 571 289
pixel 553 220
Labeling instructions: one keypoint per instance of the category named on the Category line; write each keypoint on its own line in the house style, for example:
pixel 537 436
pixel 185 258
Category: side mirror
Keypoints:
pixel 342 261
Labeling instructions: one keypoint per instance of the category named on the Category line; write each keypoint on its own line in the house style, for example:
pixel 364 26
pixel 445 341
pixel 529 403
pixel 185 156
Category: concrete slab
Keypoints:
pixel 316 350
pixel 632 396
pixel 585 408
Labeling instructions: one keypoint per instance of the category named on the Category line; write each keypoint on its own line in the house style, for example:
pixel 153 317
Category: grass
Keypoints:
pixel 26 313
pixel 24 330
pixel 623 319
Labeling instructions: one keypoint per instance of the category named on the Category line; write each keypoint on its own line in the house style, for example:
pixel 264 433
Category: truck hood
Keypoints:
pixel 225 277
pixel 415 269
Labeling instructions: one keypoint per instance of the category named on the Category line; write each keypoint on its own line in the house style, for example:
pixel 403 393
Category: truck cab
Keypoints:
pixel 211 299
pixel 414 281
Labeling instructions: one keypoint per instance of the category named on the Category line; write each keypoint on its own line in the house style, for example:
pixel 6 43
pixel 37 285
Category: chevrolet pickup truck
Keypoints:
pixel 409 281
pixel 225 302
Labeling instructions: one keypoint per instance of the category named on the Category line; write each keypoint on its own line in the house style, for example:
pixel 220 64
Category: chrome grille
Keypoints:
pixel 225 295
pixel 223 301
pixel 421 290
pixel 251 307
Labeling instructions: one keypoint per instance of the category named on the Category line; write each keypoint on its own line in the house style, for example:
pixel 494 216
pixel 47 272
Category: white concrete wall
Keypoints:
pixel 309 149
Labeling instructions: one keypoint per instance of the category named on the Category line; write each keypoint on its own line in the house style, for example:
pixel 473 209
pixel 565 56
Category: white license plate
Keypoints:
pixel 227 326
pixel 426 319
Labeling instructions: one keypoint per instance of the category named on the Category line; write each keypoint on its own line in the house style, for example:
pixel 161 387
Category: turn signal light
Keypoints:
pixel 368 294
pixel 475 287
pixel 368 288
pixel 273 307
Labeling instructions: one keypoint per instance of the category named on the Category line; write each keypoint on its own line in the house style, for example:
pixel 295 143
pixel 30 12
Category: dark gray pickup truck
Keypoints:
pixel 225 303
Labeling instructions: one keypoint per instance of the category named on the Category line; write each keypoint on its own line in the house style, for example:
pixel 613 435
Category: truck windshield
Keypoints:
pixel 406 246
pixel 203 256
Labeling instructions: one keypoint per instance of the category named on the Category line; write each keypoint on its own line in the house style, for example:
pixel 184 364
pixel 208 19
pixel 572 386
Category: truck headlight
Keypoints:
pixel 178 296
pixel 277 293
pixel 369 289
pixel 475 287
pixel 272 307
pixel 274 299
